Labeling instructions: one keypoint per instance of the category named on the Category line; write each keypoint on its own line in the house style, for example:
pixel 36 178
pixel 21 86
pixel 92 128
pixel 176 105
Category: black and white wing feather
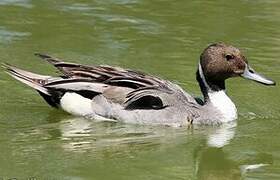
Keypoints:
pixel 145 91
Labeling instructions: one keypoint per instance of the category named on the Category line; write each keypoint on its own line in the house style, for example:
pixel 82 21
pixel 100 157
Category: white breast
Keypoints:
pixel 223 103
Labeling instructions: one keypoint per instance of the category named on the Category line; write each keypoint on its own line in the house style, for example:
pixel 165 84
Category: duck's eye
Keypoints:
pixel 229 57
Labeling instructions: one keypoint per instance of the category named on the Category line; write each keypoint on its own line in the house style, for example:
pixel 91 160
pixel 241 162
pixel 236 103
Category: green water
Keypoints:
pixel 163 37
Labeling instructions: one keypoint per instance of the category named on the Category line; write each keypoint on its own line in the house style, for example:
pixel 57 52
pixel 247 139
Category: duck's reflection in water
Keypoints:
pixel 212 162
pixel 116 139
pixel 79 134
pixel 221 136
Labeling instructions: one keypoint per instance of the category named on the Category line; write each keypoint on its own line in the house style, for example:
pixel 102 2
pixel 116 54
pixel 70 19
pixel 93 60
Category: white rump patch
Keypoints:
pixel 223 103
pixel 76 104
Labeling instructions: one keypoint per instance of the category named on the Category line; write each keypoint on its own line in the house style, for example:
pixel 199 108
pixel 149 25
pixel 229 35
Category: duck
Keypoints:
pixel 123 95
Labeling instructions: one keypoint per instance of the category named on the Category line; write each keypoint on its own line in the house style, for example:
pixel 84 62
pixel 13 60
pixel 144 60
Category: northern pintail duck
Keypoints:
pixel 105 92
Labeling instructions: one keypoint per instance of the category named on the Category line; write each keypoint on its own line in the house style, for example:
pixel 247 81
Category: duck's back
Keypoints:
pixel 111 92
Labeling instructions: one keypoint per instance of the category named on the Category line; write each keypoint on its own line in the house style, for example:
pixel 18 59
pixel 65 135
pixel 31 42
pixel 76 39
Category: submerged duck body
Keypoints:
pixel 113 93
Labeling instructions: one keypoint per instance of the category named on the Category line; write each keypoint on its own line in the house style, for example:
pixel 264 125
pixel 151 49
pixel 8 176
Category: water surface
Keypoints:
pixel 163 38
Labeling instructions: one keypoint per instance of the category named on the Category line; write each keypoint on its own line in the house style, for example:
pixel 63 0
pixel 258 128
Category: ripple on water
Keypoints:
pixel 105 14
pixel 7 36
pixel 82 7
pixel 22 3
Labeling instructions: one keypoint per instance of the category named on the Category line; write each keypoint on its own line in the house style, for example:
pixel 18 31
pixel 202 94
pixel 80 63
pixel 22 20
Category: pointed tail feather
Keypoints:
pixel 52 60
pixel 59 64
pixel 33 80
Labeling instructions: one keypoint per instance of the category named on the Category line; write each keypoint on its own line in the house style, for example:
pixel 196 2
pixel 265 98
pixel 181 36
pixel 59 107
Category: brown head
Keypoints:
pixel 219 62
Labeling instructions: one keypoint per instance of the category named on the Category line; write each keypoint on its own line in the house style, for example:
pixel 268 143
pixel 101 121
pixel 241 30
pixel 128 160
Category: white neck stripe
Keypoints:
pixel 203 77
